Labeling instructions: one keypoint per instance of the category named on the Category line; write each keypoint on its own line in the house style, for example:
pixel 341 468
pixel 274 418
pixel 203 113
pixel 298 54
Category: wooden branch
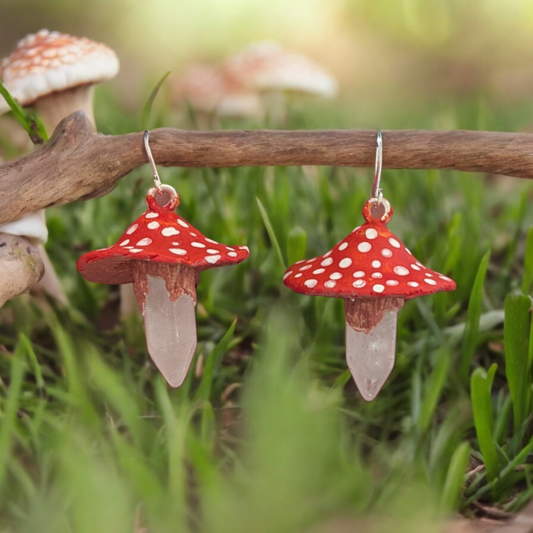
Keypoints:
pixel 78 164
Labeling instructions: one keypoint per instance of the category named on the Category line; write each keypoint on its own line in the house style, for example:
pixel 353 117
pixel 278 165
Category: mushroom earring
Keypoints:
pixel 162 255
pixel 375 274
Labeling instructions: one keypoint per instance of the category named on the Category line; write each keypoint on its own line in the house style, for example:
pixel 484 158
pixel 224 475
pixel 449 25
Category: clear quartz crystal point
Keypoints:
pixel 170 331
pixel 370 353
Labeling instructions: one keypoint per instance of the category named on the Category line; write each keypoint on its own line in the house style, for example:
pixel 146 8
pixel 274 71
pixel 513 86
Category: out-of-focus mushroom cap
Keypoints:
pixel 47 62
pixel 267 66
pixel 158 235
pixel 208 90
pixel 370 262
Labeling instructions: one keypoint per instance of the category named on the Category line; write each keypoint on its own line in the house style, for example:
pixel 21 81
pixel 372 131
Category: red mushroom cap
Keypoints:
pixel 158 235
pixel 370 262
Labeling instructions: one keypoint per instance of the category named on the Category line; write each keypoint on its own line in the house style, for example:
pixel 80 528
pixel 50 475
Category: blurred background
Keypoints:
pixel 400 63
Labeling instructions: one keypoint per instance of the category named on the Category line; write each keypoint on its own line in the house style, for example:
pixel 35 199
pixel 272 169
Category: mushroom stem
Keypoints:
pixel 371 341
pixel 20 264
pixel 166 294
pixel 54 107
pixel 179 279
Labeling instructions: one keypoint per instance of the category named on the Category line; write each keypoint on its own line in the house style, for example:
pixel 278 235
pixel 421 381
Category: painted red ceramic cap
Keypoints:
pixel 370 262
pixel 158 235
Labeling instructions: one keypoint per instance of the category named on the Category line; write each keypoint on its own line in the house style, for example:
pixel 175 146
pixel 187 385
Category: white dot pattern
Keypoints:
pixel 371 233
pixel 156 232
pixel 401 271
pixel 169 232
pixel 377 261
pixel 345 263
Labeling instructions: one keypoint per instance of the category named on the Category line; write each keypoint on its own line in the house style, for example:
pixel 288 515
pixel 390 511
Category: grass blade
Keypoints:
pixel 516 331
pixel 433 390
pixel 7 427
pixel 454 478
pixel 472 320
pixel 271 233
pixel 527 280
pixel 33 126
pixel 147 109
pixel 480 391
pixel 296 244
pixel 212 364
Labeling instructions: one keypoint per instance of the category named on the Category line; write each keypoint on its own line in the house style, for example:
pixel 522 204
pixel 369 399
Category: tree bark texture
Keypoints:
pixel 78 164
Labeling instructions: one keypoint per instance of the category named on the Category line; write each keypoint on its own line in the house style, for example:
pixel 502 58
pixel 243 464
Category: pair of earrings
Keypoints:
pixel 163 255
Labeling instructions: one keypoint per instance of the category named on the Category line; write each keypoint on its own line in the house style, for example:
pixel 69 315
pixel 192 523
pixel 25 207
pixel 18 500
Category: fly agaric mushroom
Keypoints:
pixel 162 255
pixel 55 73
pixel 375 273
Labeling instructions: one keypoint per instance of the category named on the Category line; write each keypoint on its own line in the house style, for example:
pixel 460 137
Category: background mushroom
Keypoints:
pixel 162 255
pixel 273 71
pixel 210 92
pixel 375 273
pixel 55 73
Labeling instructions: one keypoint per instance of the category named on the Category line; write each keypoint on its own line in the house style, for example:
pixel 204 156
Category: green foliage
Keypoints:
pixel 516 330
pixel 470 337
pixel 481 389
pixel 28 120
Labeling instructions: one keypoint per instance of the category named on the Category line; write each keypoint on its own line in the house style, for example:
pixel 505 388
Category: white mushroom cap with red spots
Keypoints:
pixel 158 235
pixel 370 262
pixel 48 62
pixel 266 66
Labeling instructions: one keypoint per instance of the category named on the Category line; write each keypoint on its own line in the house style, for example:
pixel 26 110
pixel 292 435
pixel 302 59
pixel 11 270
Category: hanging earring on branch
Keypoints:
pixel 375 273
pixel 162 255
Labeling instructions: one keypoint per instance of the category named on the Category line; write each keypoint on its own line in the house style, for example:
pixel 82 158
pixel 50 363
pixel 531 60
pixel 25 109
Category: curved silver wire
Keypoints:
pixel 376 190
pixel 157 179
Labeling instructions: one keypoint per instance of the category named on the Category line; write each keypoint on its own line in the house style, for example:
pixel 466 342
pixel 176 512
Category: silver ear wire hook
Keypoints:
pixel 157 179
pixel 376 190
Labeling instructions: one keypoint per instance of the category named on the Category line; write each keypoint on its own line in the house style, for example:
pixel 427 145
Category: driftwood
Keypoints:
pixel 78 164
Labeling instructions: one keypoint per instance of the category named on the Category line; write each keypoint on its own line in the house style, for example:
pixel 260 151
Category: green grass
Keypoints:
pixel 268 433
